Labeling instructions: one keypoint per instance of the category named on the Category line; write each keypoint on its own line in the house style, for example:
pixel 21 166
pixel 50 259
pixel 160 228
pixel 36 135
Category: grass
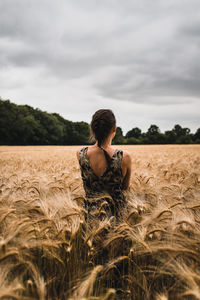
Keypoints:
pixel 48 251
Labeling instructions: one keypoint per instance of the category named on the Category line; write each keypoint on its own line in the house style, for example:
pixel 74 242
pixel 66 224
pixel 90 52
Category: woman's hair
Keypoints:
pixel 101 125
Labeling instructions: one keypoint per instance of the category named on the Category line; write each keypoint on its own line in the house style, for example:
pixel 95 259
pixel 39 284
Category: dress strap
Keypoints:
pixel 82 154
pixel 117 159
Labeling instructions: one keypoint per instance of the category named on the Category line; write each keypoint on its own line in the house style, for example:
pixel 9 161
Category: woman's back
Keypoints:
pixel 97 159
pixel 99 177
pixel 105 171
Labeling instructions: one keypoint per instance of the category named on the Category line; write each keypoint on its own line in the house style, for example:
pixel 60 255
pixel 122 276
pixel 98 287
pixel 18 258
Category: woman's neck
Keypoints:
pixel 106 144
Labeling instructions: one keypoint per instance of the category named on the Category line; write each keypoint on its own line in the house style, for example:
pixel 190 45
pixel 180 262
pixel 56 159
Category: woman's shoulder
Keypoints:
pixel 126 158
pixel 124 153
pixel 80 150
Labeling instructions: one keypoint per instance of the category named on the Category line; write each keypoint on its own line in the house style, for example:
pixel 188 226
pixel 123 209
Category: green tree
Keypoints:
pixel 119 138
pixel 196 137
pixel 170 137
pixel 182 134
pixel 153 130
pixel 133 141
pixel 135 133
pixel 154 135
pixel 81 133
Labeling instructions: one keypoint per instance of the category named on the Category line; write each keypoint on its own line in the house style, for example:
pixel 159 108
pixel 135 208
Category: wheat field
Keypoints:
pixel 49 251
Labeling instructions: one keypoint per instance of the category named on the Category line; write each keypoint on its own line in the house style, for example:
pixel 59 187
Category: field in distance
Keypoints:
pixel 49 251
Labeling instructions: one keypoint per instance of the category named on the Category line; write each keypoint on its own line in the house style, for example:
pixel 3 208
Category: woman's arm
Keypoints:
pixel 126 166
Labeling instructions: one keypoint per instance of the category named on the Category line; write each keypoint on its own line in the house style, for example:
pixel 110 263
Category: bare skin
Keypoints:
pixel 98 161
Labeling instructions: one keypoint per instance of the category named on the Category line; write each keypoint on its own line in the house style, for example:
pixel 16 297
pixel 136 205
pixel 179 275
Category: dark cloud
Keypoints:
pixel 141 52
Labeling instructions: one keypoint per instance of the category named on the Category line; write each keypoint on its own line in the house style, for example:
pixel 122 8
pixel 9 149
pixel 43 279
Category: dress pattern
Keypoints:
pixel 105 190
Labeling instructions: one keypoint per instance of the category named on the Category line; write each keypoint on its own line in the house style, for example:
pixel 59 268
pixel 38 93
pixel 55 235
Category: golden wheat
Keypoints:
pixel 49 251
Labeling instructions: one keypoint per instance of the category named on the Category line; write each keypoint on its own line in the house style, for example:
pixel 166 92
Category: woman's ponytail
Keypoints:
pixel 101 125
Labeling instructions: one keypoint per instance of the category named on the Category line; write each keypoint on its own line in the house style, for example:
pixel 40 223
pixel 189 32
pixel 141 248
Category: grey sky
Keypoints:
pixel 139 58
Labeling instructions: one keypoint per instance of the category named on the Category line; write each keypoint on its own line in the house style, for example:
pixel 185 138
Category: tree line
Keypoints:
pixel 24 125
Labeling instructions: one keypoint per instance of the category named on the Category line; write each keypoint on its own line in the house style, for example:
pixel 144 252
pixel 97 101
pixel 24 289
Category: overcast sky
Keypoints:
pixel 139 58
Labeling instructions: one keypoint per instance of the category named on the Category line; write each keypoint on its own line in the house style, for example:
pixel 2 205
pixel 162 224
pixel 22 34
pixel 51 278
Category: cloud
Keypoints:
pixel 144 55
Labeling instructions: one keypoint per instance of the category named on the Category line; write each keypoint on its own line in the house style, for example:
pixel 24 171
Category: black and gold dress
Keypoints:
pixel 104 195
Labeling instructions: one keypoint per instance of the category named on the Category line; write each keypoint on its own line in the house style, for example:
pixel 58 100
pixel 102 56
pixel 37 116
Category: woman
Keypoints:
pixel 105 171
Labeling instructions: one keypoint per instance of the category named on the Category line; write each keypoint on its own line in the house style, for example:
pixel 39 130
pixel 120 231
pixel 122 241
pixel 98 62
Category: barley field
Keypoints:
pixel 49 251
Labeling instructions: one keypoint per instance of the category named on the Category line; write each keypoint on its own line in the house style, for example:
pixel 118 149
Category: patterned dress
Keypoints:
pixel 104 196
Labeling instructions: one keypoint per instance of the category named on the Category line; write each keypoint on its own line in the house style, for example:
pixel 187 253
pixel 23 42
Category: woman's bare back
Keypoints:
pixel 99 163
pixel 97 159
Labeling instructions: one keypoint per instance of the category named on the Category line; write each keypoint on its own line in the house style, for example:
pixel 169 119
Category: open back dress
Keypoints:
pixel 103 193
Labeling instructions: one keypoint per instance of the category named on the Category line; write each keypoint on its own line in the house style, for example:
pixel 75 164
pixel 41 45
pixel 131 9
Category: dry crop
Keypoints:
pixel 48 251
